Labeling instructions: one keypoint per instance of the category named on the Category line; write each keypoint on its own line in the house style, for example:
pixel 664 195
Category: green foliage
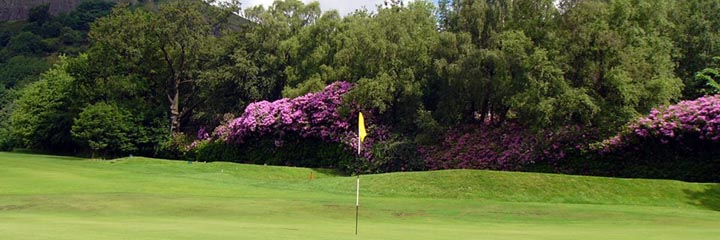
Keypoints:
pixel 86 13
pixel 166 51
pixel 186 65
pixel 25 43
pixel 706 81
pixel 39 14
pixel 429 130
pixel 295 151
pixel 43 115
pixel 394 156
pixel 696 37
pixel 68 36
pixel 620 54
pixel 309 86
pixel 4 37
pixel 104 128
pixel 6 107
pixel 173 146
pixel 21 70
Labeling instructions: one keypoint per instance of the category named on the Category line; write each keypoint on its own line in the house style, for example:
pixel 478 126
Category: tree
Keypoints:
pixel 105 128
pixel 21 70
pixel 267 47
pixel 86 13
pixel 620 54
pixel 25 43
pixel 164 48
pixel 40 14
pixel 388 55
pixel 707 81
pixel 696 35
pixel 42 115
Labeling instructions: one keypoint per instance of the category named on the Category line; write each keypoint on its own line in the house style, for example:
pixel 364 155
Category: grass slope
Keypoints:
pixel 50 197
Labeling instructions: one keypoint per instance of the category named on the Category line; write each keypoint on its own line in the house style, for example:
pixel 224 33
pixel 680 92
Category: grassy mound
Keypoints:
pixel 141 198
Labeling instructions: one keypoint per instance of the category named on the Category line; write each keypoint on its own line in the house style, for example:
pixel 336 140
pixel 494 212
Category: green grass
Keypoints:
pixel 50 197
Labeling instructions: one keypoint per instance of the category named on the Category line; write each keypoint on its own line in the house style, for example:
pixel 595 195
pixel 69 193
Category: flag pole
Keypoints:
pixel 357 187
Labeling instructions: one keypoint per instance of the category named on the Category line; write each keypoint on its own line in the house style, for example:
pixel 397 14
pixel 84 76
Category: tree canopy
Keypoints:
pixel 165 71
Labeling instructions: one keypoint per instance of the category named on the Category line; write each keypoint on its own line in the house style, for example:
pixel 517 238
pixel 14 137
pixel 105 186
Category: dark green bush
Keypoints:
pixel 21 70
pixel 25 43
pixel 106 129
pixel 394 156
pixel 171 147
pixel 39 14
pixel 5 37
pixel 292 151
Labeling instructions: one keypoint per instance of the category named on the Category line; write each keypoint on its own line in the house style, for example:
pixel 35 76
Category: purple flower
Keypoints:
pixel 684 123
pixel 312 115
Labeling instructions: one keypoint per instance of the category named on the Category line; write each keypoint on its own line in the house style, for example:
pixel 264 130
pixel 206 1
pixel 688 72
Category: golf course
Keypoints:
pixel 52 197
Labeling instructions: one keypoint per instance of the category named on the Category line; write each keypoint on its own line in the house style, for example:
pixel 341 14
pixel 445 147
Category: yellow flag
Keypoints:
pixel 361 126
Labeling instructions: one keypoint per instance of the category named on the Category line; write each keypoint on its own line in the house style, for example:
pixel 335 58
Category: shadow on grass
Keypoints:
pixel 48 155
pixel 708 198
pixel 331 172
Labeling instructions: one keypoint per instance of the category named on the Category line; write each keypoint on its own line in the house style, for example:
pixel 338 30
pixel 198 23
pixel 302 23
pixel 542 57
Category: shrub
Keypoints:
pixel 41 118
pixel 173 147
pixel 104 128
pixel 680 141
pixel 21 70
pixel 305 131
pixel 26 43
pixel 507 147
pixel 394 156
pixel 306 152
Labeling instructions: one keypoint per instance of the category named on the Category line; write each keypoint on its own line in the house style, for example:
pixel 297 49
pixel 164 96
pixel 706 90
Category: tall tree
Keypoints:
pixel 164 47
pixel 697 38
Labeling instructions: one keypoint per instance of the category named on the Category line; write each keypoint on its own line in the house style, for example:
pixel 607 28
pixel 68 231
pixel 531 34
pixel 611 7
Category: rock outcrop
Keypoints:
pixel 19 9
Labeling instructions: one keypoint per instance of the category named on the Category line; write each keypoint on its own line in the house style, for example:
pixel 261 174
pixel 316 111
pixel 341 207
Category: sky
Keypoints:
pixel 343 6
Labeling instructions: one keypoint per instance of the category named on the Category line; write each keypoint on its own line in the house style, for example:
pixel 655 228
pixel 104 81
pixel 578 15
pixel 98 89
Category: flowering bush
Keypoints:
pixel 688 124
pixel 680 141
pixel 482 147
pixel 507 147
pixel 311 116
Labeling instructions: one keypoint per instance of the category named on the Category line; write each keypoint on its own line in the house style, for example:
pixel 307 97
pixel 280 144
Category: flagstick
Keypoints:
pixel 357 204
pixel 357 188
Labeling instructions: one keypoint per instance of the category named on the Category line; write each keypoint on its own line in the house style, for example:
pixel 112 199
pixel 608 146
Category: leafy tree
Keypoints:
pixel 40 14
pixel 5 37
pixel 6 96
pixel 20 70
pixel 163 48
pixel 86 13
pixel 696 36
pixel 389 56
pixel 267 48
pixel 619 52
pixel 104 128
pixel 25 43
pixel 709 78
pixel 42 116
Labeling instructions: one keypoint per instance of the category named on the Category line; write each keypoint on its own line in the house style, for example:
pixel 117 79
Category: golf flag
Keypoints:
pixel 361 126
pixel 361 138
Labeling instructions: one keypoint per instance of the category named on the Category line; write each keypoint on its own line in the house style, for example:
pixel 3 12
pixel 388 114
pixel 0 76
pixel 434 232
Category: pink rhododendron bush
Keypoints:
pixel 679 139
pixel 686 123
pixel 505 147
pixel 481 147
pixel 308 130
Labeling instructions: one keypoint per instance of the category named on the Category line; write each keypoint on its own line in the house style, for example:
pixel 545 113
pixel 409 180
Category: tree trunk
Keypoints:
pixel 175 110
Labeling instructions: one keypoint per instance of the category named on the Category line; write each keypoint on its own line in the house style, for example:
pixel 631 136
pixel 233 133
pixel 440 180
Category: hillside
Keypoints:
pixel 448 184
pixel 19 9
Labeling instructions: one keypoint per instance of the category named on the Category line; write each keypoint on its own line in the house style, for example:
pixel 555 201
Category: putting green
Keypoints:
pixel 50 197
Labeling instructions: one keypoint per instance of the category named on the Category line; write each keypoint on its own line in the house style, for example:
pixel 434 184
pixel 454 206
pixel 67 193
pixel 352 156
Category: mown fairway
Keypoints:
pixel 47 197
